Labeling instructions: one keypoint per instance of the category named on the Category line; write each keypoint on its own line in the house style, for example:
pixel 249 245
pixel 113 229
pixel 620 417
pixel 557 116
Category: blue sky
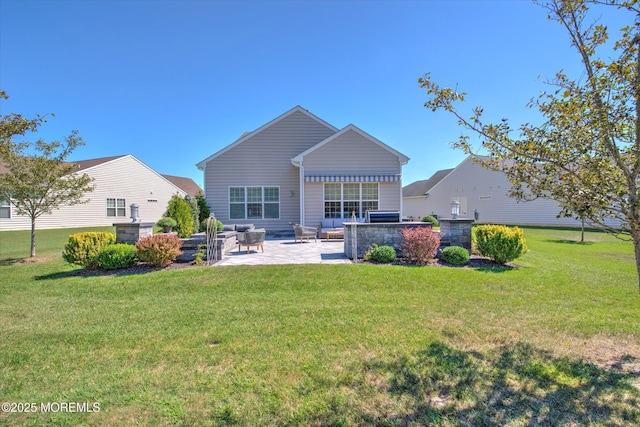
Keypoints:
pixel 172 82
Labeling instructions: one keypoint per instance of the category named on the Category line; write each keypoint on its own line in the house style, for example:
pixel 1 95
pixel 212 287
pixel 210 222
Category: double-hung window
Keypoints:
pixel 5 209
pixel 254 202
pixel 342 199
pixel 116 207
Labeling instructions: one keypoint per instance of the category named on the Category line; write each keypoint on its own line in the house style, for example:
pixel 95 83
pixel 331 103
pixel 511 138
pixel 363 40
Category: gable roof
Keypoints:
pixel 187 185
pixel 421 188
pixel 86 164
pixel 245 136
pixel 401 157
pixel 81 164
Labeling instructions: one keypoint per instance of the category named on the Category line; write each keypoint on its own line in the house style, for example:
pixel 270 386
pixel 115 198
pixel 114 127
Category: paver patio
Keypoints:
pixel 287 251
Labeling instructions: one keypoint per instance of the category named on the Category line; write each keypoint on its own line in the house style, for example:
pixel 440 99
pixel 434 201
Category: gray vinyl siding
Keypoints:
pixel 264 159
pixel 486 191
pixel 124 178
pixel 351 153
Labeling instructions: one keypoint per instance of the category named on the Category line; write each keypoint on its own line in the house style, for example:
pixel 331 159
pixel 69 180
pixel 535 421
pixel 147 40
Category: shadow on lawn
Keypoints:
pixel 569 242
pixel 512 384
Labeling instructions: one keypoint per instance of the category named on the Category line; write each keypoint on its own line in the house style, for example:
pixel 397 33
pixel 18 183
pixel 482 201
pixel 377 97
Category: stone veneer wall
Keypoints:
pixel 131 232
pixel 225 243
pixel 456 232
pixel 383 233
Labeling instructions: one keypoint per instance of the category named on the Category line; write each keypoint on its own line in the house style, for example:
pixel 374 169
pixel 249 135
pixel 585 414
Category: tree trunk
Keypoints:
pixel 582 233
pixel 636 249
pixel 33 237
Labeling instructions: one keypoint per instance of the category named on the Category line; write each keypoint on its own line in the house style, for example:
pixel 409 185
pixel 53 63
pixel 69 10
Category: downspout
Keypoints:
pixel 298 164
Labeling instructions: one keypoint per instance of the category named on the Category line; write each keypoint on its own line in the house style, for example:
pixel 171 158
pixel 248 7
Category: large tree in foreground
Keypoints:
pixel 38 178
pixel 586 153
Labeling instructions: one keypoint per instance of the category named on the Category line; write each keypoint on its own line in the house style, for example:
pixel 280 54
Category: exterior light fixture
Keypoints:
pixel 455 209
pixel 134 213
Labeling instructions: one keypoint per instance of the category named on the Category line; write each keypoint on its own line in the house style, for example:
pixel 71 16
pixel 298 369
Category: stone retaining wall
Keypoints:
pixel 385 233
pixel 225 243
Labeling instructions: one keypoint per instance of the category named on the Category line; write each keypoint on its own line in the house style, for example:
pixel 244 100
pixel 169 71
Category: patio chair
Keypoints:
pixel 250 238
pixel 302 232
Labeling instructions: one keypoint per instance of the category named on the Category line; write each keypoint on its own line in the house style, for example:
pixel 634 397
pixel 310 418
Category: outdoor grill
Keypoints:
pixel 383 216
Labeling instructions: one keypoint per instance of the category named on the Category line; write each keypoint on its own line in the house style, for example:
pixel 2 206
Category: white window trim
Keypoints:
pixel 106 212
pixel 6 204
pixel 262 202
pixel 342 199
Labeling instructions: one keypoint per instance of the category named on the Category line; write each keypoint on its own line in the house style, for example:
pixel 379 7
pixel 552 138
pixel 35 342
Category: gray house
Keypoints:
pixel 300 169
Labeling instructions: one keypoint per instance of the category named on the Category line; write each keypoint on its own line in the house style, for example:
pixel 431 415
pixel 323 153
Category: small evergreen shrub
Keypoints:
pixel 120 255
pixel 383 254
pixel 455 255
pixel 83 248
pixel 180 210
pixel 219 225
pixel 166 222
pixel 159 249
pixel 203 211
pixel 195 212
pixel 500 243
pixel 432 219
pixel 420 245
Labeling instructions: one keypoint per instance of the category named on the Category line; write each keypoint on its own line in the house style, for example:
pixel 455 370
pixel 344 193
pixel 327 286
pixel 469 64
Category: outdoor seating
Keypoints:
pixel 332 228
pixel 254 237
pixel 303 232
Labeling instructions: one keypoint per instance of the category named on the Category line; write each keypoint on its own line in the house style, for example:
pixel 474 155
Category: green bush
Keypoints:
pixel 195 212
pixel 159 249
pixel 166 222
pixel 432 219
pixel 203 211
pixel 180 210
pixel 419 245
pixel 83 248
pixel 219 225
pixel 380 254
pixel 114 257
pixel 500 243
pixel 455 255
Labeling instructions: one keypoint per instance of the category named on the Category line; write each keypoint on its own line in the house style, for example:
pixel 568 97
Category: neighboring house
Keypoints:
pixel 187 185
pixel 299 169
pixel 479 191
pixel 119 181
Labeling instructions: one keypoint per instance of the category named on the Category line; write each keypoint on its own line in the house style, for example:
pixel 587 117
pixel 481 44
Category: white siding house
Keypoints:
pixel 299 169
pixel 119 182
pixel 479 191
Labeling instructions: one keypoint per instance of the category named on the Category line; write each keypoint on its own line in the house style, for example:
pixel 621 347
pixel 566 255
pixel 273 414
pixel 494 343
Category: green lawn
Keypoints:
pixel 555 342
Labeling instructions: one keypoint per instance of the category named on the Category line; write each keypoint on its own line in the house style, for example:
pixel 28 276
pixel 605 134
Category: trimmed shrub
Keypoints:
pixel 219 225
pixel 180 210
pixel 159 249
pixel 500 243
pixel 377 253
pixel 166 222
pixel 455 255
pixel 120 255
pixel 432 219
pixel 195 212
pixel 203 211
pixel 83 248
pixel 420 245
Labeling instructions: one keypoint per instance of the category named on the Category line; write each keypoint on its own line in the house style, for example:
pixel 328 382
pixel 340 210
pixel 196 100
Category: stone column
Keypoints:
pixel 456 232
pixel 131 232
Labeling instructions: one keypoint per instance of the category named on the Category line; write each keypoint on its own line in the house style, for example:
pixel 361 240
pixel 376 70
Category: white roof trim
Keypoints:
pixel 401 157
pixel 248 135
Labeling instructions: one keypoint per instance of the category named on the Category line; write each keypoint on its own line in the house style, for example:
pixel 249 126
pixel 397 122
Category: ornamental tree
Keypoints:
pixel 37 178
pixel 586 153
